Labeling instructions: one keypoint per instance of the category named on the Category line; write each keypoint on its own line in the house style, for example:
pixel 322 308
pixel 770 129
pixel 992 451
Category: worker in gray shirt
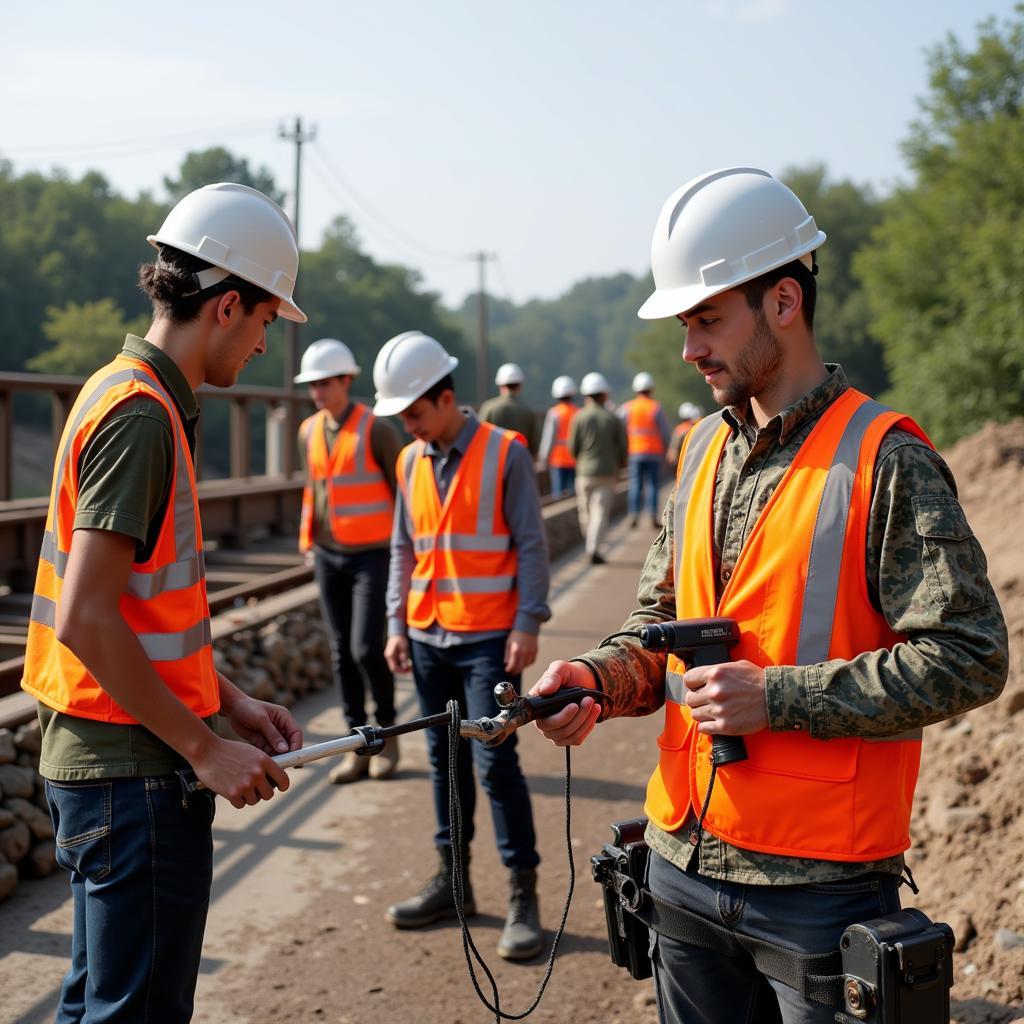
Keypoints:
pixel 467 592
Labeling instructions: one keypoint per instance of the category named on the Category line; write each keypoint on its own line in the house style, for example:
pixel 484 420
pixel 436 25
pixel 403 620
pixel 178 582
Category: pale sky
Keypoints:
pixel 546 133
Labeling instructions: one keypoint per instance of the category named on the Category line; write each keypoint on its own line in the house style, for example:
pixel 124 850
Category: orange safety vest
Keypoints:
pixel 560 456
pixel 465 572
pixel 799 594
pixel 680 431
pixel 164 602
pixel 642 427
pixel 360 504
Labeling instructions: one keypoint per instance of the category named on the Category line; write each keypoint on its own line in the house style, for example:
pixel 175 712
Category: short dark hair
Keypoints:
pixel 433 393
pixel 754 290
pixel 170 284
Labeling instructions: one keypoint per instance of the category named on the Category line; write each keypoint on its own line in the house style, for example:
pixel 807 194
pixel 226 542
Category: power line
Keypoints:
pixel 353 194
pixel 138 146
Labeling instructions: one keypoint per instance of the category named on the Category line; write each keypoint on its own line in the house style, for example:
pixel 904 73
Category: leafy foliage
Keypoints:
pixel 204 167
pixel 85 335
pixel 945 270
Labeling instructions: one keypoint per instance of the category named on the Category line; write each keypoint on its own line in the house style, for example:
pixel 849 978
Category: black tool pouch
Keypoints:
pixel 621 871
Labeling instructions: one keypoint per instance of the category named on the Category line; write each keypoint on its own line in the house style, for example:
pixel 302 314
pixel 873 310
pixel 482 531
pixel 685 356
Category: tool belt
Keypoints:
pixel 892 969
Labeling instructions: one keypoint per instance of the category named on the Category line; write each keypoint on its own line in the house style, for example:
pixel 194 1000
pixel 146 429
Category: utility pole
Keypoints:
pixel 287 452
pixel 482 372
pixel 297 135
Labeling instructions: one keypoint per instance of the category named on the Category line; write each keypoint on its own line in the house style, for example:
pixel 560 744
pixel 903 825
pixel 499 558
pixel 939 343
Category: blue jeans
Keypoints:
pixel 701 986
pixel 141 864
pixel 644 478
pixel 563 480
pixel 468 673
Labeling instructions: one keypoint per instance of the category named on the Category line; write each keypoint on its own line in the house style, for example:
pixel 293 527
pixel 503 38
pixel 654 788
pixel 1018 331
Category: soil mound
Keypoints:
pixel 968 853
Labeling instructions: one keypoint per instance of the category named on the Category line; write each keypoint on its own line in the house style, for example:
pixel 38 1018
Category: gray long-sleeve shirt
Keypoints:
pixel 521 509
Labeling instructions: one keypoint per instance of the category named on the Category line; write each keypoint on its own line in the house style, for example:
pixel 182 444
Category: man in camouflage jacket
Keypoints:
pixel 926 575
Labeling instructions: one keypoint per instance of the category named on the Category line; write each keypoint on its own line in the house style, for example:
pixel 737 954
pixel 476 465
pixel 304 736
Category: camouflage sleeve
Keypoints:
pixel 632 677
pixel 928 576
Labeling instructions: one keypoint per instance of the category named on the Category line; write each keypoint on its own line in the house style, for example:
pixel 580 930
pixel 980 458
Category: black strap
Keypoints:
pixel 817 976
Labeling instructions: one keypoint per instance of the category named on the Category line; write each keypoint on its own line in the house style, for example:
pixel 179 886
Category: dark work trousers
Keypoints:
pixel 467 673
pixel 141 864
pixel 352 588
pixel 694 985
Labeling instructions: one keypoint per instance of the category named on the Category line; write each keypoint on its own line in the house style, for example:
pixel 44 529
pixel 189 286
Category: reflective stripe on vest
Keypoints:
pixel 642 427
pixel 799 593
pixel 465 572
pixel 164 601
pixel 560 456
pixel 360 503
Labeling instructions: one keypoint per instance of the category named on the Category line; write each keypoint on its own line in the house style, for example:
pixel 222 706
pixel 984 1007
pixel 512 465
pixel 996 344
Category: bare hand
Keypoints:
pixel 239 772
pixel 396 654
pixel 727 699
pixel 573 724
pixel 267 726
pixel 520 651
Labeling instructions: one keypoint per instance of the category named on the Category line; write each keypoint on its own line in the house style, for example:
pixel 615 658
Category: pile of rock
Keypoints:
pixel 278 661
pixel 26 833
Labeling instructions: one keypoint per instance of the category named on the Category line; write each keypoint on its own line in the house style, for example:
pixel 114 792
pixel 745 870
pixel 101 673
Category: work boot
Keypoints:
pixel 349 768
pixel 434 901
pixel 385 764
pixel 597 559
pixel 522 938
pixel 634 522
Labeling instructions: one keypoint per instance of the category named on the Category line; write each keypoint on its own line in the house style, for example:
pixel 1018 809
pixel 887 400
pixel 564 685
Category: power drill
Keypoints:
pixel 700 642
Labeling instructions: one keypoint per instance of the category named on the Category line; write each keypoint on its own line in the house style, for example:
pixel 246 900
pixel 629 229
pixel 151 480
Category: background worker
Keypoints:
pixel 828 528
pixel 347 510
pixel 507 409
pixel 554 440
pixel 467 594
pixel 648 433
pixel 688 416
pixel 597 441
pixel 119 653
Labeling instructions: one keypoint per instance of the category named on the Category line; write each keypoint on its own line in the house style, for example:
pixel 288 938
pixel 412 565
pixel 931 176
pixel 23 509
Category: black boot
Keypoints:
pixel 522 938
pixel 434 901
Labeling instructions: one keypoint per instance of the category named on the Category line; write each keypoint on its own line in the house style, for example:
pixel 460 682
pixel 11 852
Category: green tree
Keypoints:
pixel 944 273
pixel 206 166
pixel 64 241
pixel 85 335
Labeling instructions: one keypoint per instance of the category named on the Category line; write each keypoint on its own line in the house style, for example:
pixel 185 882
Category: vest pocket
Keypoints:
pixel 952 561
pixel 798 756
pixel 678 727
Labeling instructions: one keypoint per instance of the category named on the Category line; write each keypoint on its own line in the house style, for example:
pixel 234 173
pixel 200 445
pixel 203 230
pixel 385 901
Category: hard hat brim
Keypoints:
pixel 669 302
pixel 311 375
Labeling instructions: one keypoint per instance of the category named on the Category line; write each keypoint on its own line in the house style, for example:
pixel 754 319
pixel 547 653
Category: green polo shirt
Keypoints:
pixel 508 412
pixel 124 476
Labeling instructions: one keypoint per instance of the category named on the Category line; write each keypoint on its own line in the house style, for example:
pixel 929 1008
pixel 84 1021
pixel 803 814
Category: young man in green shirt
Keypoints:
pixel 119 650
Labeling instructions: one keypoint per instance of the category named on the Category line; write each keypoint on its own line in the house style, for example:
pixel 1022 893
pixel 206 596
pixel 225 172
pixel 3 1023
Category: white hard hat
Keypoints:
pixel 509 373
pixel 407 366
pixel 689 411
pixel 563 387
pixel 643 381
pixel 722 229
pixel 325 358
pixel 239 231
pixel 594 384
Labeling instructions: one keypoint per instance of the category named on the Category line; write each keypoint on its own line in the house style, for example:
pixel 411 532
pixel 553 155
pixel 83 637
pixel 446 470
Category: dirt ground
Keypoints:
pixel 296 930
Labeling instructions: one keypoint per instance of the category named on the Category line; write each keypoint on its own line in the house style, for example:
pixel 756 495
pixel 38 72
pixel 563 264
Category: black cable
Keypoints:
pixel 458 891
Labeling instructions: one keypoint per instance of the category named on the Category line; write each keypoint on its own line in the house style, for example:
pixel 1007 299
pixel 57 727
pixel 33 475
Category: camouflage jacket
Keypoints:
pixel 926 574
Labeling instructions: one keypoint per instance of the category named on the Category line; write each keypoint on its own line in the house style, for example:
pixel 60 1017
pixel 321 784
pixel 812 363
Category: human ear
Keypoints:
pixel 787 300
pixel 227 305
